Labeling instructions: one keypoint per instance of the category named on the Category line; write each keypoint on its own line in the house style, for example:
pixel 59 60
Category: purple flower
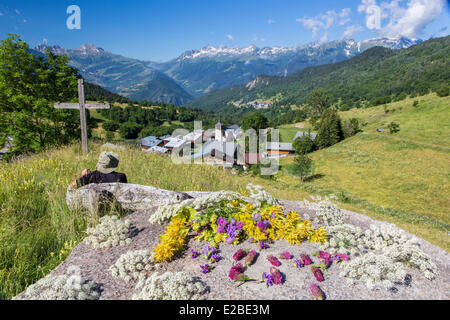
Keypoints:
pixel 263 245
pixel 194 254
pixel 240 225
pixel 205 268
pixel 316 292
pixel 257 216
pixel 221 221
pixel 272 215
pixel 299 263
pixel 208 251
pixel 214 258
pixel 251 240
pixel 268 278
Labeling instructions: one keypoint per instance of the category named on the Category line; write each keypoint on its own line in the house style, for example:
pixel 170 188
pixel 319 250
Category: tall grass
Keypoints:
pixel 37 231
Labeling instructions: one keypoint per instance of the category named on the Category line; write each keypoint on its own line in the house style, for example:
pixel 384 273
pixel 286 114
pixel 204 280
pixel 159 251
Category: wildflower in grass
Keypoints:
pixel 305 259
pixel 316 292
pixel 238 255
pixel 285 255
pixel 205 268
pixel 250 258
pixel 221 221
pixel 274 261
pixel 267 278
pixel 317 274
pixel 236 272
pixel 299 263
pixel 276 276
pixel 194 254
pixel 257 216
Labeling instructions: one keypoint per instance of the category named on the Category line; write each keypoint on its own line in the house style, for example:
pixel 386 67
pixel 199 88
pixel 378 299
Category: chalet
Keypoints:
pixel 156 149
pixel 194 137
pixel 149 142
pixel 302 133
pixel 278 149
pixel 174 143
pixel 223 133
pixel 218 153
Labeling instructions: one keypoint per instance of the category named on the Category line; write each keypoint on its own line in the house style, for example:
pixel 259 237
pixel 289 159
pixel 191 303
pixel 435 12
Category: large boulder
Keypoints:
pixel 131 197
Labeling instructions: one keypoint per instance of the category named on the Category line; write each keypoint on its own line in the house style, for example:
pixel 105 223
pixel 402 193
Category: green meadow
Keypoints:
pixel 401 178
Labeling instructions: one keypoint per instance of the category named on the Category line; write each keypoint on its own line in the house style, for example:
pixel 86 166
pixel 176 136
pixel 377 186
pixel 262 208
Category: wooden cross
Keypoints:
pixel 82 106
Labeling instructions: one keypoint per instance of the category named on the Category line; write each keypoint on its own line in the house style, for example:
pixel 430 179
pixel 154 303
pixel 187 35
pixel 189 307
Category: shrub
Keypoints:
pixel 416 103
pixel 443 91
pixel 394 127
pixel 110 125
pixel 129 130
pixel 330 131
pixel 304 144
pixel 303 166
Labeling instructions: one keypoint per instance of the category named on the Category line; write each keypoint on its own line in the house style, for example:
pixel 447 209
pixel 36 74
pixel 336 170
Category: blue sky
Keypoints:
pixel 160 30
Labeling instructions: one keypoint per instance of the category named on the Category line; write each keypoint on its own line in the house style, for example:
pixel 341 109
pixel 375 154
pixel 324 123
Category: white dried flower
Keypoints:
pixel 61 287
pixel 110 232
pixel 169 286
pixel 133 265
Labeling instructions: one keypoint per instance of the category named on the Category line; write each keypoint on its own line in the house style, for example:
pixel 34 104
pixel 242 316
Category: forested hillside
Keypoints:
pixel 378 75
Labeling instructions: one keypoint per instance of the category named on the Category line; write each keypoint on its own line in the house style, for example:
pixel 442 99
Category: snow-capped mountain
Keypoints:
pixel 196 72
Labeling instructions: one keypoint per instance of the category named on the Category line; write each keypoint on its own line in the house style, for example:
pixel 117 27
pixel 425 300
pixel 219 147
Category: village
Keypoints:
pixel 222 146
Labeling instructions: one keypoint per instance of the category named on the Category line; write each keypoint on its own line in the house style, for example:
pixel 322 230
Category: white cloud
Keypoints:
pixel 1 14
pixel 18 12
pixel 403 20
pixel 326 20
pixel 270 21
pixel 351 30
pixel 229 36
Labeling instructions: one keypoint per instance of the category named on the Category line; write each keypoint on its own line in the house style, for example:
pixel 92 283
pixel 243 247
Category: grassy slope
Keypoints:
pixel 37 231
pixel 403 178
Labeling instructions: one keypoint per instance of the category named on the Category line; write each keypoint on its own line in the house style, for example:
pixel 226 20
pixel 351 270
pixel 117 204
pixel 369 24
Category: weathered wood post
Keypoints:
pixel 82 106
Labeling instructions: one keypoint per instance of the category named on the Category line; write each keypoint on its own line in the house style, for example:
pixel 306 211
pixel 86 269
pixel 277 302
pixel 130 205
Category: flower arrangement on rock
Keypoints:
pixel 232 222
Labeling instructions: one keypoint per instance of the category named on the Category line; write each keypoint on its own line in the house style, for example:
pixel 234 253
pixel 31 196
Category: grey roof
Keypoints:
pixel 303 133
pixel 175 143
pixel 156 149
pixel 279 146
pixel 150 141
pixel 234 127
pixel 227 148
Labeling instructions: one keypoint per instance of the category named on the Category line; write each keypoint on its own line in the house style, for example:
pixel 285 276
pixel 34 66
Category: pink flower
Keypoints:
pixel 316 292
pixel 324 255
pixel 236 272
pixel 285 255
pixel 276 275
pixel 238 255
pixel 343 256
pixel 250 258
pixel 274 261
pixel 326 263
pixel 305 259
pixel 317 273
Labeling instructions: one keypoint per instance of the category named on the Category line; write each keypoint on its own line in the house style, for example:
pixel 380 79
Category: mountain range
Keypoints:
pixel 376 73
pixel 198 72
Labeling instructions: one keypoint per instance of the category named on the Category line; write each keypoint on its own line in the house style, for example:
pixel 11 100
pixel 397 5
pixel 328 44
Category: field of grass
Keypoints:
pixel 37 231
pixel 403 177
